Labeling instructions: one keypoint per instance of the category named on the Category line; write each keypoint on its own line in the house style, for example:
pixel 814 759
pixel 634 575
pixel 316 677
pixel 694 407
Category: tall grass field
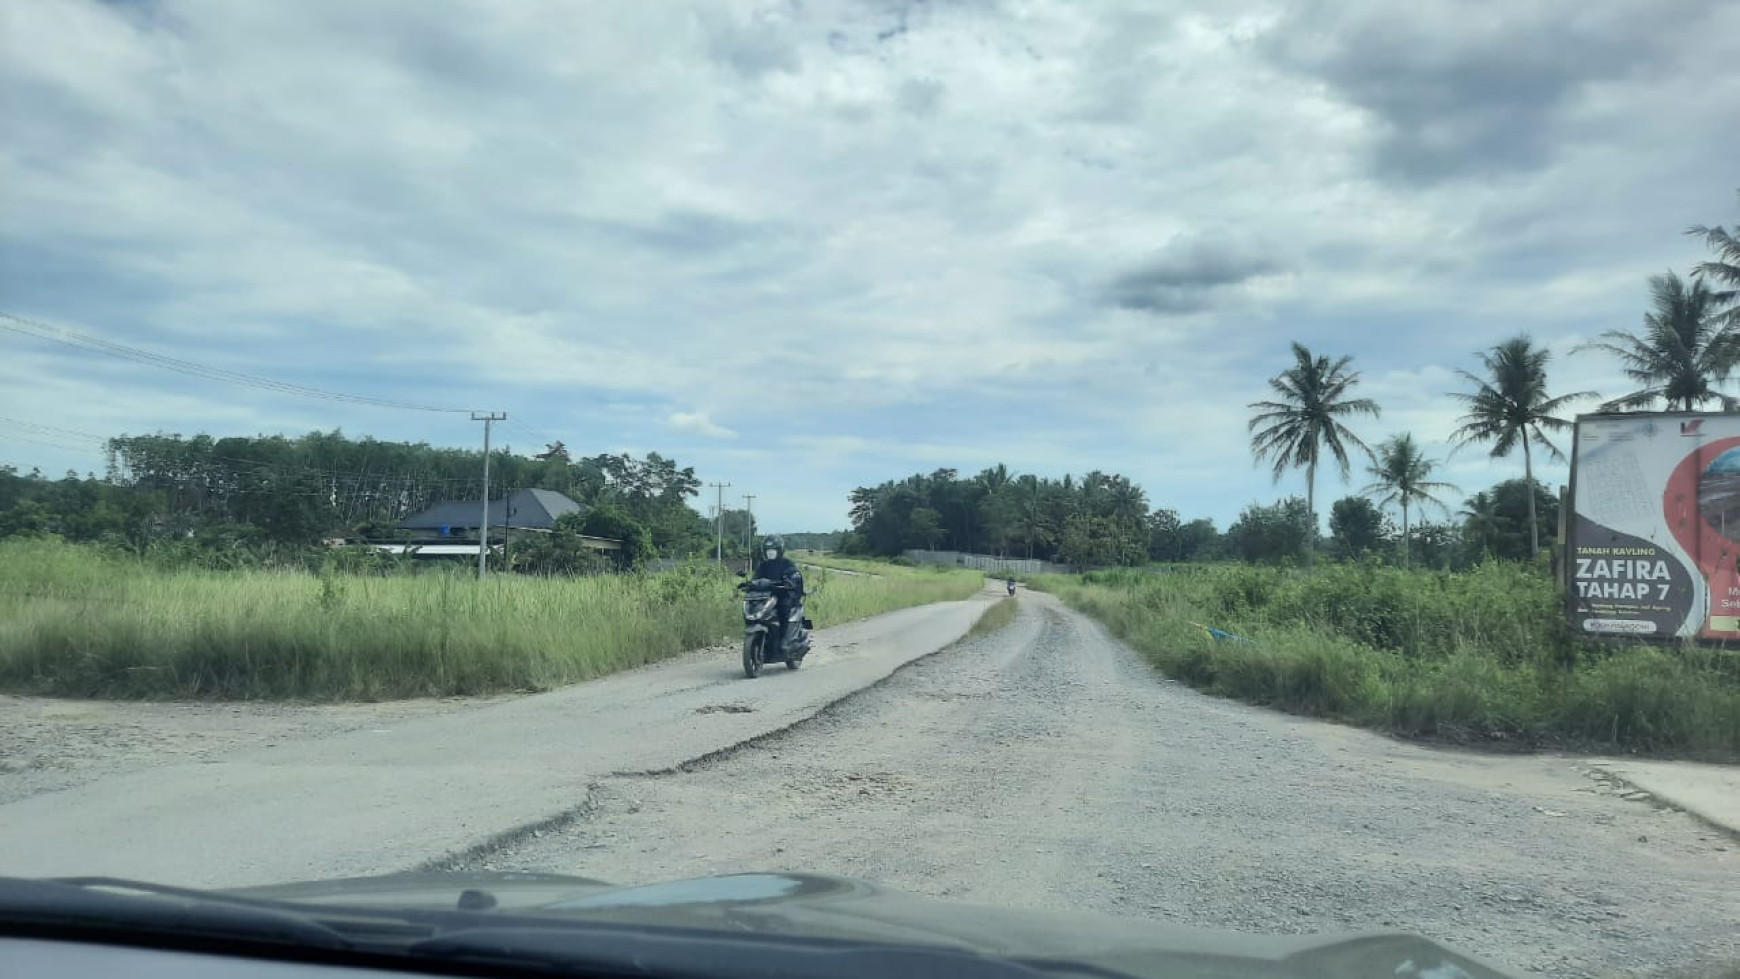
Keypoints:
pixel 85 623
pixel 825 560
pixel 1481 656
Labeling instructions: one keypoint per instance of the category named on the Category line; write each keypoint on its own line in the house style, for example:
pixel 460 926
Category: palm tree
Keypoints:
pixel 1294 430
pixel 1725 270
pixel 993 479
pixel 1481 523
pixel 1682 354
pixel 1510 406
pixel 1127 502
pixel 1403 475
pixel 1030 516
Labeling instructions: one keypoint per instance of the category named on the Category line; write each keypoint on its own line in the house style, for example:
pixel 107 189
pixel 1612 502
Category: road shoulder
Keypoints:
pixel 1711 793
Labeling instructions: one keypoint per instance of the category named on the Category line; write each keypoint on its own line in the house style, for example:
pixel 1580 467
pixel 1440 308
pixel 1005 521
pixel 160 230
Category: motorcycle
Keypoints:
pixel 1011 587
pixel 761 623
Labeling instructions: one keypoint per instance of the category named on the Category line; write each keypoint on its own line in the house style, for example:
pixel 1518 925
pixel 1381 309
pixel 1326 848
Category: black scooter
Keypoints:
pixel 761 625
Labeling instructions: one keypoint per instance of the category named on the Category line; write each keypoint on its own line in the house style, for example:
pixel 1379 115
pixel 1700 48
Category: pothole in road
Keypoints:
pixel 833 789
pixel 725 709
pixel 1610 784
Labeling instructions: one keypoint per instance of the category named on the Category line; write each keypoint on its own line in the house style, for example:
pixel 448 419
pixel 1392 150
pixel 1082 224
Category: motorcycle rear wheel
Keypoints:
pixel 752 656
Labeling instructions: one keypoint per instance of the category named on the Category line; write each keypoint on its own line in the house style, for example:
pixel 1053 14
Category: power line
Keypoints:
pixel 73 338
pixel 55 430
pixel 533 432
pixel 53 445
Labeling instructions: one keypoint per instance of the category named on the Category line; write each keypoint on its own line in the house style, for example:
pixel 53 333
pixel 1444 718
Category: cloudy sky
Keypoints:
pixel 808 245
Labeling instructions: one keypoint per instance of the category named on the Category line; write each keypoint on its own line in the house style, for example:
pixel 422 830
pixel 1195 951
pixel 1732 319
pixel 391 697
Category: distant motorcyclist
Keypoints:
pixel 781 570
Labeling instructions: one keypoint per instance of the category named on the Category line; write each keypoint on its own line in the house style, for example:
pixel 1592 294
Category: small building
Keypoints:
pixel 450 529
pixel 527 509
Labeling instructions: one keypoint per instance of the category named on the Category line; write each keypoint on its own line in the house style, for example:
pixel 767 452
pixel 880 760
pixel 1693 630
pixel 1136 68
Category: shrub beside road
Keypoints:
pixel 1481 656
pixel 82 622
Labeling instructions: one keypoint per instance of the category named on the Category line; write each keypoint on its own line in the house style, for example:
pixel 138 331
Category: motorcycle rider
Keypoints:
pixel 778 568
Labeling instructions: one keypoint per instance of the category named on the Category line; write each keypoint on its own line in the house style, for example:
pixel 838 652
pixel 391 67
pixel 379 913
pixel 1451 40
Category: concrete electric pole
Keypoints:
pixel 719 524
pixel 749 526
pixel 488 418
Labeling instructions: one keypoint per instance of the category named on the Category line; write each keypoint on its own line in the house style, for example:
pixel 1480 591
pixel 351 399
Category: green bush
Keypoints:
pixel 76 621
pixel 1476 655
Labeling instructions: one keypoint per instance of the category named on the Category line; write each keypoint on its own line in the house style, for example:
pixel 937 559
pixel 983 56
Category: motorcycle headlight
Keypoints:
pixel 759 606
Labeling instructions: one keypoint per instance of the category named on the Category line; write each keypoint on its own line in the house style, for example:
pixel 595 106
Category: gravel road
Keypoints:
pixel 48 745
pixel 1045 767
pixel 210 796
pixel 1042 766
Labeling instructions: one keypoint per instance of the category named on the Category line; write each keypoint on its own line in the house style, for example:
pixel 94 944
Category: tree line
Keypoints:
pixel 1493 524
pixel 1103 519
pixel 1100 518
pixel 1687 348
pixel 270 494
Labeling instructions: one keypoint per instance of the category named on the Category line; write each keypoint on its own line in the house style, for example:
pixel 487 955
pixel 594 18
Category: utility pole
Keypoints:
pixel 749 526
pixel 719 524
pixel 488 418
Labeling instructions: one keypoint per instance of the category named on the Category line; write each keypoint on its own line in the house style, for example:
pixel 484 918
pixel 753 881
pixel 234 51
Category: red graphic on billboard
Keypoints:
pixel 1702 507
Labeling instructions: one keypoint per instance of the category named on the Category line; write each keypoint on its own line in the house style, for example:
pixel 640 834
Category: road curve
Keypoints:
pixel 396 795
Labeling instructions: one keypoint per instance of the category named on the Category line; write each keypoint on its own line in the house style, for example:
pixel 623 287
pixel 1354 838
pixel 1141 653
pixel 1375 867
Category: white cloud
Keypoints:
pixel 698 423
pixel 1066 236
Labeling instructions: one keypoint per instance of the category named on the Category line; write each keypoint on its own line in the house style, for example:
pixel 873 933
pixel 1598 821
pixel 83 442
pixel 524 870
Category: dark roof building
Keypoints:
pixel 527 509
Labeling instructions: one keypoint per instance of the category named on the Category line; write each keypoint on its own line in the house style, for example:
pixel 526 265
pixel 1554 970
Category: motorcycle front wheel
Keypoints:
pixel 752 657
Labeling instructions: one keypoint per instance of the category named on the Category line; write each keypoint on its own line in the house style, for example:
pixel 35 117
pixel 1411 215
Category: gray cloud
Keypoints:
pixel 917 232
pixel 693 232
pixel 920 96
pixel 1463 90
pixel 753 47
pixel 1187 274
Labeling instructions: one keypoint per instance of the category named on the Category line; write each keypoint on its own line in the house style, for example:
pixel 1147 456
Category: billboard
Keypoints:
pixel 1653 547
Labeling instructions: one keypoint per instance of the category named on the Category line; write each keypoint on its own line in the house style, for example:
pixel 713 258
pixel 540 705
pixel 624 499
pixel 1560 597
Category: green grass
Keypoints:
pixel 842 597
pixel 78 622
pixel 872 565
pixel 1481 656
pixel 999 614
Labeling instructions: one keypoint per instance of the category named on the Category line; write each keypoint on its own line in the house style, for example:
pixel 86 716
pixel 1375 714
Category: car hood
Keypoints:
pixel 821 906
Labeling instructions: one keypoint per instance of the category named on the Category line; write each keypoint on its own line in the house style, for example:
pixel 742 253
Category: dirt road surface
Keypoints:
pixel 354 795
pixel 1046 767
pixel 1042 766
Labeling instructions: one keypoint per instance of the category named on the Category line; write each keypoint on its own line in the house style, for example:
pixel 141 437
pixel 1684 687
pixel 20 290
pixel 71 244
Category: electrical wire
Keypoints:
pixel 53 430
pixel 11 437
pixel 73 338
pixel 537 435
